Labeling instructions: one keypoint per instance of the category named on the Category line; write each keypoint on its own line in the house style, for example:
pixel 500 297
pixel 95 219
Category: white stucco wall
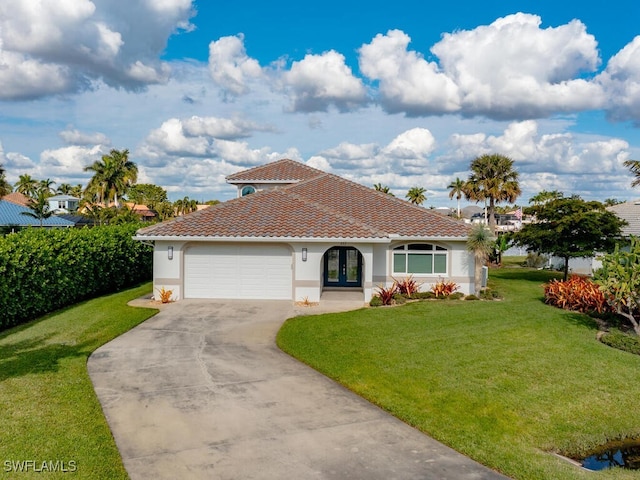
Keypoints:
pixel 167 273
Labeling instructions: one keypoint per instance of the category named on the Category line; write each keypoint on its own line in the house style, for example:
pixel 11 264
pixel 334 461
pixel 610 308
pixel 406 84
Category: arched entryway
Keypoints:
pixel 342 268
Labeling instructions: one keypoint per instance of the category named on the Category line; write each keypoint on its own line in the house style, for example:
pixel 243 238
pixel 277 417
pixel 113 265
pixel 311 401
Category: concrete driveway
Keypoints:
pixel 200 391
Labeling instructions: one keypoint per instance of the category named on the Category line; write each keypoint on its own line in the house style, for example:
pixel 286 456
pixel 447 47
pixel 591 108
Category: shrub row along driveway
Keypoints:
pixel 201 391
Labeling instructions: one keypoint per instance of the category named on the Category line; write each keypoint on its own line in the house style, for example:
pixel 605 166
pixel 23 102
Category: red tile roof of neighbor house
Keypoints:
pixel 17 198
pixel 319 205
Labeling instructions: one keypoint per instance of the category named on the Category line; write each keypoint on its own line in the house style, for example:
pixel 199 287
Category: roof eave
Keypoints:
pixel 202 238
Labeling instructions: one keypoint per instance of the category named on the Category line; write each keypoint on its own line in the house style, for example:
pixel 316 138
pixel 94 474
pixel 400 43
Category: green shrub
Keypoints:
pixel 42 270
pixel 423 295
pixel 375 302
pixel 471 297
pixel 622 341
pixel 399 299
pixel 535 260
pixel 488 294
pixel 455 296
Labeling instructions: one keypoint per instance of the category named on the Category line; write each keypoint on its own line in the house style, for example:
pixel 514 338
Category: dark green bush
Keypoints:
pixel 471 297
pixel 375 302
pixel 423 295
pixel 399 299
pixel 42 270
pixel 454 296
pixel 622 341
pixel 488 294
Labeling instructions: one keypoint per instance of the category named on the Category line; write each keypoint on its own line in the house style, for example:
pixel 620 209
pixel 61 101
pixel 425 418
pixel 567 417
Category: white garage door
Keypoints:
pixel 228 271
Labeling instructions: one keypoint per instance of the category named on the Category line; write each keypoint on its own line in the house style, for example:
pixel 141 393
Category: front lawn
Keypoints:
pixel 504 382
pixel 48 409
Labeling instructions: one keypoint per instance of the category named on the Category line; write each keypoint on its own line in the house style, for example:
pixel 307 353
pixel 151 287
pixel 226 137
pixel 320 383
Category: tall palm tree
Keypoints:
pixel 493 178
pixel 45 186
pixel 39 206
pixel 480 242
pixel 26 185
pixel 457 190
pixel 383 188
pixel 416 195
pixel 64 189
pixel 112 176
pixel 5 187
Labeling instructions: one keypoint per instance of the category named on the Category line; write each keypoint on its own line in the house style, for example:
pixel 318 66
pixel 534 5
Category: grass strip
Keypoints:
pixel 504 382
pixel 48 409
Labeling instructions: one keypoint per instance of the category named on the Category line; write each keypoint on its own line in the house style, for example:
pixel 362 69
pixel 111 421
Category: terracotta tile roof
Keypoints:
pixel 17 198
pixel 284 170
pixel 321 206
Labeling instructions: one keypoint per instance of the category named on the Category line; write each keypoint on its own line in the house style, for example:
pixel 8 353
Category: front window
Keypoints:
pixel 420 259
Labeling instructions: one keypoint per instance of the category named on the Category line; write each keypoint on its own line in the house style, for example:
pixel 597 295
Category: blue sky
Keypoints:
pixel 402 93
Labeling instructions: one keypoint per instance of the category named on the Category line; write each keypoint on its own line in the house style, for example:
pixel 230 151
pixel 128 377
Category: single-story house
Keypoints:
pixel 12 217
pixel 295 231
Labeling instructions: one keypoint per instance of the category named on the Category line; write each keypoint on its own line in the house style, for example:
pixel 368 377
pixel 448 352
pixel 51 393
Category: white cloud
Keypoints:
pixel 514 69
pixel 76 137
pixel 221 128
pixel 230 67
pixel 169 140
pixel 66 164
pixel 318 81
pixel 408 83
pixel 64 46
pixel 621 80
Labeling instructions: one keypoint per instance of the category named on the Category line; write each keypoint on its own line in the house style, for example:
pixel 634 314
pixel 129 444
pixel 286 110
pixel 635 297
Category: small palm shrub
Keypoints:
pixel 407 286
pixel 165 295
pixel 577 293
pixel 386 294
pixel 444 288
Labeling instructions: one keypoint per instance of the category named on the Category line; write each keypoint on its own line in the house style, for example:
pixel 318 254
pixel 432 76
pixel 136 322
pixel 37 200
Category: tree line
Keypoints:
pixel 113 182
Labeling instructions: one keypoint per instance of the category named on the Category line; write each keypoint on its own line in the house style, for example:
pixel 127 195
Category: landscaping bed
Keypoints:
pixel 508 383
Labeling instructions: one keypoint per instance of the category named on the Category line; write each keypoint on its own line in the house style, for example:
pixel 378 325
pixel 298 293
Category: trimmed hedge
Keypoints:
pixel 42 270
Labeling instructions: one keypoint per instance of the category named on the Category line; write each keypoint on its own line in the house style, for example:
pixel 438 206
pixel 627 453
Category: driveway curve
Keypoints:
pixel 200 391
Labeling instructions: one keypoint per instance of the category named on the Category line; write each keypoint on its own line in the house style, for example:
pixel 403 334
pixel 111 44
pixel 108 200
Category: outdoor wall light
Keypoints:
pixel 170 253
pixel 304 254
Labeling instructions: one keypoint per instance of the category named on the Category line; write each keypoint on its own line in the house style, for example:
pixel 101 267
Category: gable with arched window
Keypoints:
pixel 420 259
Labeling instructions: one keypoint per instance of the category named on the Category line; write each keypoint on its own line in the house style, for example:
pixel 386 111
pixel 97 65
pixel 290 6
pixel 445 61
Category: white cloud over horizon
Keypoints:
pixel 401 117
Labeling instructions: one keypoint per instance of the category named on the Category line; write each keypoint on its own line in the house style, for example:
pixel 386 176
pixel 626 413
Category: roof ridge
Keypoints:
pixel 273 164
pixel 332 212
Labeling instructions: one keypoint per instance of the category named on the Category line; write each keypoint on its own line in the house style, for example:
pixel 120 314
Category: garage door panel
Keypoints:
pixel 226 271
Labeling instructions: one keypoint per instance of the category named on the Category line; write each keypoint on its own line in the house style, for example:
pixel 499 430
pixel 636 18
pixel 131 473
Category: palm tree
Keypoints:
pixel 493 178
pixel 545 196
pixel 113 175
pixel 480 242
pixel 383 188
pixel 634 166
pixel 45 186
pixel 416 195
pixel 5 187
pixel 26 185
pixel 457 190
pixel 64 189
pixel 39 206
pixel 185 205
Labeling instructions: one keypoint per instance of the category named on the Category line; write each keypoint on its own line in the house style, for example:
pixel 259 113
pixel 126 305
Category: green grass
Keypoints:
pixel 48 409
pixel 503 382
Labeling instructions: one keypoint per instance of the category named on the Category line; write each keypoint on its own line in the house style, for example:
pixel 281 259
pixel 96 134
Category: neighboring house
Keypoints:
pixel 17 198
pixel 11 216
pixel 145 213
pixel 628 211
pixel 59 204
pixel 302 231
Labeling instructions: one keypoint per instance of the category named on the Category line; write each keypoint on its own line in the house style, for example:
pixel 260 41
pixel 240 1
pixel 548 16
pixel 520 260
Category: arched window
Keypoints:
pixel 246 190
pixel 420 259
